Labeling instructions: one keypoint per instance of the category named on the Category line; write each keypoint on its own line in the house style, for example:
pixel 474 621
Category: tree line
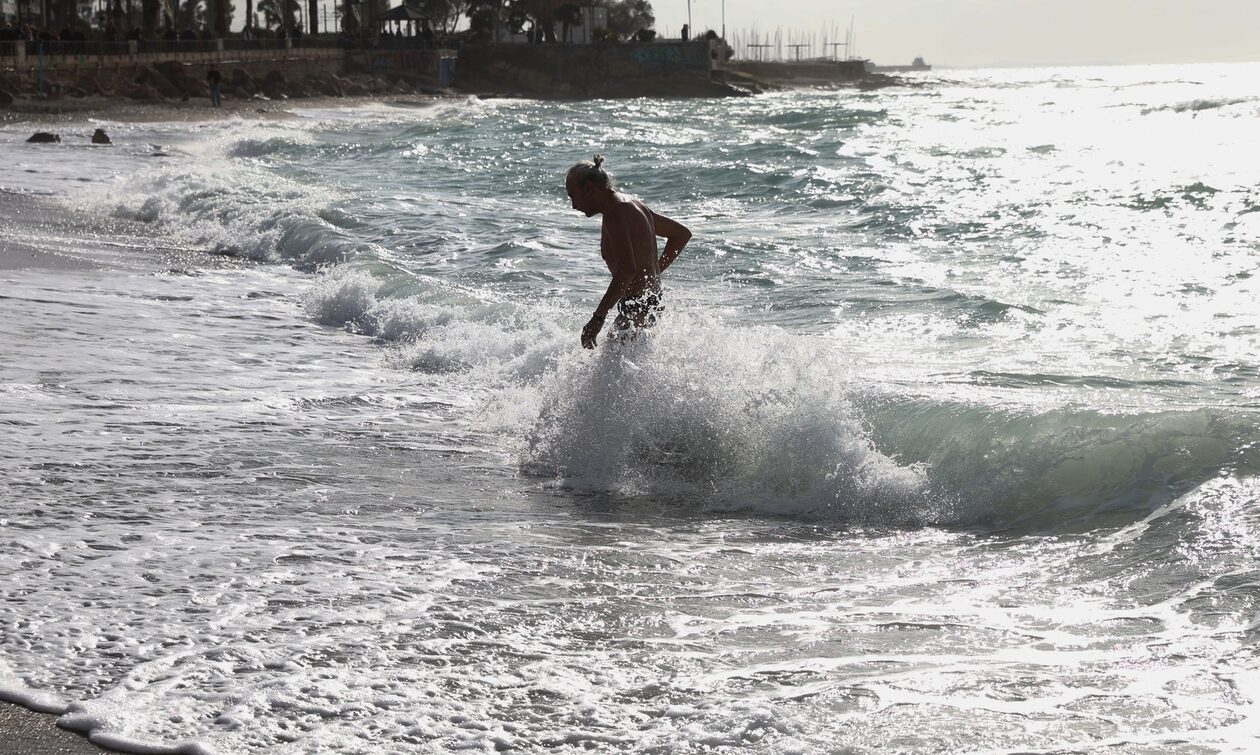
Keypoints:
pixel 625 17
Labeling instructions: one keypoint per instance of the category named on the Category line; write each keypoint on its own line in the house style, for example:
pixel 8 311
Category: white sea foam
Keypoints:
pixel 14 690
pixel 227 206
pixel 774 434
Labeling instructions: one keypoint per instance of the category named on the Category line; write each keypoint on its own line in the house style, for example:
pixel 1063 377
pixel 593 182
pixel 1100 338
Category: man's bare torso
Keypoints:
pixel 640 224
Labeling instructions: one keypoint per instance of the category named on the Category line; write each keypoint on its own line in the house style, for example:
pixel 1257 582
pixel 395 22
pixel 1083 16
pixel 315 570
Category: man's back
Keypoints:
pixel 628 244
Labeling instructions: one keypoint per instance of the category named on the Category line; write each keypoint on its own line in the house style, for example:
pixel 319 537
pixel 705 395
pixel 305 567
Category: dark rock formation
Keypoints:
pixel 43 137
pixel 325 83
pixel 239 79
pixel 139 92
pixel 100 137
pixel 151 78
pixel 274 85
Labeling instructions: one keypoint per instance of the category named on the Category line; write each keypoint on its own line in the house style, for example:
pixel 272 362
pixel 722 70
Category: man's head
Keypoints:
pixel 588 185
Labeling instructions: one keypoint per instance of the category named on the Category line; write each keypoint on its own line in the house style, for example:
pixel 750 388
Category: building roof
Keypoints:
pixel 404 13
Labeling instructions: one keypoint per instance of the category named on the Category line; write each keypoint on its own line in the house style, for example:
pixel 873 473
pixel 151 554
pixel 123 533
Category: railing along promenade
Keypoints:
pixel 28 55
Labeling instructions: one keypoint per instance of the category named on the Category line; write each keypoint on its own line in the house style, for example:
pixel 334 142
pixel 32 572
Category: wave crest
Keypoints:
pixel 730 422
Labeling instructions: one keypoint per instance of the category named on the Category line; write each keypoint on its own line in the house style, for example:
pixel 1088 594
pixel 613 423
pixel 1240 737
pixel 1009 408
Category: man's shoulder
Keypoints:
pixel 629 209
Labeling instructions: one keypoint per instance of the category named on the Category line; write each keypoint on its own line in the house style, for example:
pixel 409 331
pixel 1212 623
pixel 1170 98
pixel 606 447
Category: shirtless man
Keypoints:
pixel 628 246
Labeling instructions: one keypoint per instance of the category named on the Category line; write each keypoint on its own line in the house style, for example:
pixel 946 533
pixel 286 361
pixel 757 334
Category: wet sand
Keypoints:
pixel 23 732
pixel 86 242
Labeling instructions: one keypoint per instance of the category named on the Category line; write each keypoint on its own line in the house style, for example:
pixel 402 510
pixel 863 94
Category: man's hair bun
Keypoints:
pixel 593 171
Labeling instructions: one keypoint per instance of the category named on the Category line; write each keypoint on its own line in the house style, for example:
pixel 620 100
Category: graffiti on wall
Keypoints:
pixel 405 61
pixel 666 56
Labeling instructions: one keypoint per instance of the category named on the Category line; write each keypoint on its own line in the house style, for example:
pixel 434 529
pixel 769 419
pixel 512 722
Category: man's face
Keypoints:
pixel 579 195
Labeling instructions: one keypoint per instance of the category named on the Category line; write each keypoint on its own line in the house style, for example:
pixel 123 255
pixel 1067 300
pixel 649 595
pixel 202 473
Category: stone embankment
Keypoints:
pixel 655 69
pixel 158 81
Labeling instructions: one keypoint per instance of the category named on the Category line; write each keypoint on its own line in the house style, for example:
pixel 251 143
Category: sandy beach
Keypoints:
pixel 86 242
pixel 23 732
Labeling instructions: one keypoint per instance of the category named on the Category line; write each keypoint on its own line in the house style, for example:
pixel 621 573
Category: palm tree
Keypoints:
pixel 149 10
pixel 483 16
pixel 568 15
pixel 221 20
pixel 186 14
pixel 627 17
pixel 270 10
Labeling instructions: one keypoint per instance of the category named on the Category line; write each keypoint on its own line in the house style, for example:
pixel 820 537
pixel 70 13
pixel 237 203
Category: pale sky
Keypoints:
pixel 1003 32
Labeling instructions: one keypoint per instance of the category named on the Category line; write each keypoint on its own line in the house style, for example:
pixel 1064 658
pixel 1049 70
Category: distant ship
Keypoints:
pixel 917 65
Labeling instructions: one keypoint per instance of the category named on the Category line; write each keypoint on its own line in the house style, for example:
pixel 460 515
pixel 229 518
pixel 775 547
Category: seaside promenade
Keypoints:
pixel 45 76
pixel 36 76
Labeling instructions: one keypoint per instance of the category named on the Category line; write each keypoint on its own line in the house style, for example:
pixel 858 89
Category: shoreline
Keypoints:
pixel 120 110
pixel 28 732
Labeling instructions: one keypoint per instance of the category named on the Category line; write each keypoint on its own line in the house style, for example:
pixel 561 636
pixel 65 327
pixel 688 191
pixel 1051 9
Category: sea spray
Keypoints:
pixel 708 418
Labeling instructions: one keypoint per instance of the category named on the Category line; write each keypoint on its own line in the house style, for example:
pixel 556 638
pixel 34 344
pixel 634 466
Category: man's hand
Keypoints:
pixel 591 330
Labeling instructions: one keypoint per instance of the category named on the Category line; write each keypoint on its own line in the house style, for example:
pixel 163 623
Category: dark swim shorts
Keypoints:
pixel 639 311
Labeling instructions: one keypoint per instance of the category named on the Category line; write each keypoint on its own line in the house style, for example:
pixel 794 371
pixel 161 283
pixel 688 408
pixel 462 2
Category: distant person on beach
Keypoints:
pixel 628 246
pixel 214 79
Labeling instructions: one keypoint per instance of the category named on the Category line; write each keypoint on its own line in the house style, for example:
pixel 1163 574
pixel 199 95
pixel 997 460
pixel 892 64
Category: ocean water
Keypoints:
pixel 947 441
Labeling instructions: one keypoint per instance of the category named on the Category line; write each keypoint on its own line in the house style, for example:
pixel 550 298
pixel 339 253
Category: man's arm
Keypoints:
pixel 676 237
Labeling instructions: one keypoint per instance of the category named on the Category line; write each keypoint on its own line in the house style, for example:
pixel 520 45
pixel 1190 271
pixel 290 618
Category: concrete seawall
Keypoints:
pixel 658 69
pixel 653 69
pixel 115 74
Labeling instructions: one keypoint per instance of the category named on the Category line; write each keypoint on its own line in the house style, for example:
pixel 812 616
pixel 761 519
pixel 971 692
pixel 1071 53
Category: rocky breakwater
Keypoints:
pixel 760 76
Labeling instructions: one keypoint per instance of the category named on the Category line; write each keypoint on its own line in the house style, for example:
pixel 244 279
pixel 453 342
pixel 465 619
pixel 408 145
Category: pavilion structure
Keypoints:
pixel 413 18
